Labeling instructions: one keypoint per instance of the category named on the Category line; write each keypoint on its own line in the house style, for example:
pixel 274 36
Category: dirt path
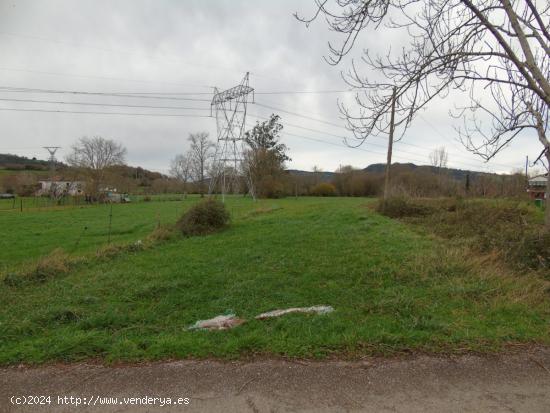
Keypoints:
pixel 509 383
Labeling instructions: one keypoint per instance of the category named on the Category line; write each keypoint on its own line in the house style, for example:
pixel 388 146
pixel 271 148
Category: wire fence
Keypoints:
pixel 34 203
pixel 95 226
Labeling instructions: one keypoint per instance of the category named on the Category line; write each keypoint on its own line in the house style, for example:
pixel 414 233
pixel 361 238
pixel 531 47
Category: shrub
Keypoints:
pixel 511 230
pixel 204 218
pixel 399 207
pixel 270 187
pixel 323 189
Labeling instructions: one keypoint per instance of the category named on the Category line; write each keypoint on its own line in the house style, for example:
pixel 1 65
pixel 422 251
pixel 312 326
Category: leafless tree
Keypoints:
pixel 497 52
pixel 439 158
pixel 94 155
pixel 181 168
pixel 200 155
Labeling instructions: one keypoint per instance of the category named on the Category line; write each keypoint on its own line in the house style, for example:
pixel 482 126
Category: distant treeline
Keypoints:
pixel 408 180
pixel 18 163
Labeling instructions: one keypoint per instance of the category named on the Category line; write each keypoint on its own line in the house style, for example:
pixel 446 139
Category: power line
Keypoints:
pixel 296 114
pixel 348 147
pixel 100 104
pixel 8 69
pixel 379 137
pixel 76 92
pixel 106 113
pixel 360 148
pixel 297 92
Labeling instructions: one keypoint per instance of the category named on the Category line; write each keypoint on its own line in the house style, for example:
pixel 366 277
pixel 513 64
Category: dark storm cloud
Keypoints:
pixel 188 46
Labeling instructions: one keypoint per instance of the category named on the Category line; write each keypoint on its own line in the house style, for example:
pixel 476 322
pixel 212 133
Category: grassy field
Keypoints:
pixel 393 289
pixel 36 232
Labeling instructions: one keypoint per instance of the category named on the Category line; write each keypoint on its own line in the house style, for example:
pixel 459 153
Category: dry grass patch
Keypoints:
pixel 57 263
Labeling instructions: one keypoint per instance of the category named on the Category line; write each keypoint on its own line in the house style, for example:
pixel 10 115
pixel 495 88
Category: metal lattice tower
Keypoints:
pixel 52 150
pixel 230 110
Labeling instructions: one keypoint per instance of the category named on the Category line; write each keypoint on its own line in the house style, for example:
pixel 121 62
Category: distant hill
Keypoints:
pixel 458 174
pixel 16 162
pixel 379 168
pixel 22 163
pixel 325 176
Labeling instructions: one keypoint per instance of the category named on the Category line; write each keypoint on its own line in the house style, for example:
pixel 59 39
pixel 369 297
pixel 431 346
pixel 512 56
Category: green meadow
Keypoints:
pixel 394 288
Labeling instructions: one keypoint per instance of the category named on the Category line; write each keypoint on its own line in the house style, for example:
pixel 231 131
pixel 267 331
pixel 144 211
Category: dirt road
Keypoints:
pixel 506 383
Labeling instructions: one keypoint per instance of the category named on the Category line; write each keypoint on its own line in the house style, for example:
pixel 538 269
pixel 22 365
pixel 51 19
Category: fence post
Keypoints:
pixel 21 204
pixel 110 222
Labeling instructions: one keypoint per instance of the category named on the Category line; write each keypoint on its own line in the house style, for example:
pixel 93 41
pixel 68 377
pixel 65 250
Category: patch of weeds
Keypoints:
pixel 13 279
pixel 50 266
pixel 399 207
pixel 262 210
pixel 161 234
pixel 60 316
pixel 506 228
pixel 109 251
pixel 137 246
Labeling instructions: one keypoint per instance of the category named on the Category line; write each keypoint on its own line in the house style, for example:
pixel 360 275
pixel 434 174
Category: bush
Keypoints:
pixel 206 217
pixel 399 207
pixel 270 187
pixel 323 189
pixel 507 228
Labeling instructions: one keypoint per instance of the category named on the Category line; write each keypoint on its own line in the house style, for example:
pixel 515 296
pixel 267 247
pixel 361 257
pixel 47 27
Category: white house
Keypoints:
pixel 537 187
pixel 72 188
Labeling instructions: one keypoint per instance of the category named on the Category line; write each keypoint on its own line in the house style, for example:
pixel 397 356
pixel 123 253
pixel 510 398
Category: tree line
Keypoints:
pixel 101 164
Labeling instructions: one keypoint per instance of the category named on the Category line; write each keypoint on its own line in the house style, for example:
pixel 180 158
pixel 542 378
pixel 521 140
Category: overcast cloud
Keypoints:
pixel 189 46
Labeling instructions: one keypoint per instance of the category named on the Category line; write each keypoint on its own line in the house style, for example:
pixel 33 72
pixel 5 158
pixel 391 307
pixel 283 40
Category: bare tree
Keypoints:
pixel 495 51
pixel 181 168
pixel 200 156
pixel 439 158
pixel 94 155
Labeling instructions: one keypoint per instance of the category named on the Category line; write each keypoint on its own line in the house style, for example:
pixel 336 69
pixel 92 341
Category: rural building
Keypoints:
pixel 72 188
pixel 537 187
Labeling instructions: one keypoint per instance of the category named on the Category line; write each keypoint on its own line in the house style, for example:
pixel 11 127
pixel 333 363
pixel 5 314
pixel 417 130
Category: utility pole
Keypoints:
pixel 390 146
pixel 526 171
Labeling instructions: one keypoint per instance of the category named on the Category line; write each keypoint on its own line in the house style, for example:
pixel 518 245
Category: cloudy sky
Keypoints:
pixel 182 49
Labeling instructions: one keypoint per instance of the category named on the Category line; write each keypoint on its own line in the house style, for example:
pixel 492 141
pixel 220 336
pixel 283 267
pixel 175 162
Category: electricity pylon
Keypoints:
pixel 229 166
pixel 52 150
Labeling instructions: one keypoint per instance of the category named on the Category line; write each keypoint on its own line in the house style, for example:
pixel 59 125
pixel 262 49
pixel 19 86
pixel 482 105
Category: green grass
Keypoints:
pixel 36 232
pixel 392 288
